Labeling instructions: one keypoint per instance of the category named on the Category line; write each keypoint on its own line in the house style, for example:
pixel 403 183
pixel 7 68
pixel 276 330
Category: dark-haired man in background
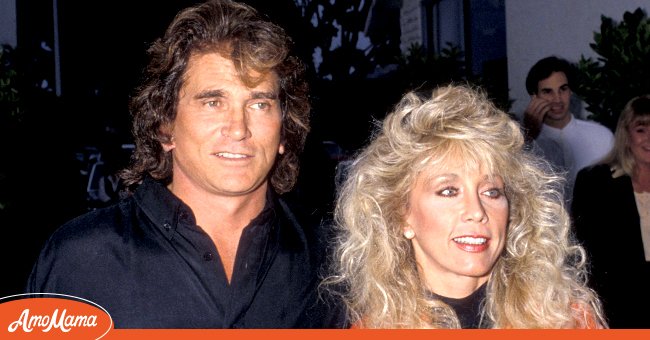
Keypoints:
pixel 569 143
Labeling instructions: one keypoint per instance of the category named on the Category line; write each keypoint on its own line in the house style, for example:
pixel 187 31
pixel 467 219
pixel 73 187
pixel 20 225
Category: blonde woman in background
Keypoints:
pixel 446 222
pixel 611 209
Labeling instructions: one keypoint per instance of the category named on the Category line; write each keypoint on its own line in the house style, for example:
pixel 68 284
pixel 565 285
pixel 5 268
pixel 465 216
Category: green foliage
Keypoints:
pixel 622 70
pixel 9 95
pixel 343 22
pixel 422 69
pixel 10 112
pixel 419 70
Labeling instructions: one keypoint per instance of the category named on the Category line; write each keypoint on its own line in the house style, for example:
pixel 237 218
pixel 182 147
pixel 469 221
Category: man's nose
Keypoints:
pixel 555 96
pixel 236 128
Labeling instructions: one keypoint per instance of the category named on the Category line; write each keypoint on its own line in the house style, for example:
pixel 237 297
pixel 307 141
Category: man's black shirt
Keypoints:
pixel 150 266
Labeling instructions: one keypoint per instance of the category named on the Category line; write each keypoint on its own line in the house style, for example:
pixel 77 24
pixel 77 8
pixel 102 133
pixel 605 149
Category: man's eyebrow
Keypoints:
pixel 220 93
pixel 209 94
pixel 265 95
pixel 550 89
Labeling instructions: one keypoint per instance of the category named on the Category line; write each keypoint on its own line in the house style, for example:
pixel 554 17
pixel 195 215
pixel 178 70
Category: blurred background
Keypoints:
pixel 68 68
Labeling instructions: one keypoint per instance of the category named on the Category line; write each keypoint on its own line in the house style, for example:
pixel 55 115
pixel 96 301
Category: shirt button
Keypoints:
pixel 167 226
pixel 207 256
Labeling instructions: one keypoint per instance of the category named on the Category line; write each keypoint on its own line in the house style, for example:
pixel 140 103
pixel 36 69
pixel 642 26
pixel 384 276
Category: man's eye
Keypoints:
pixel 213 103
pixel 260 106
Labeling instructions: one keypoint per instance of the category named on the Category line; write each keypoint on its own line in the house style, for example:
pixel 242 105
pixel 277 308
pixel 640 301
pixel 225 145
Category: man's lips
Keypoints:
pixel 231 155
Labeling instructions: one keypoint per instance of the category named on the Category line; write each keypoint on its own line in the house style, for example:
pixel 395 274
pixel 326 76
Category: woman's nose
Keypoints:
pixel 474 210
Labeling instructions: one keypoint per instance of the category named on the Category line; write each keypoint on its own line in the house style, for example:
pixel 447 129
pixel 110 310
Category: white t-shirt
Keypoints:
pixel 579 144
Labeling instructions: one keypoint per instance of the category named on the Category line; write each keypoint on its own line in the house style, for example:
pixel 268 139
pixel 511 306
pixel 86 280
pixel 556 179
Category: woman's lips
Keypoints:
pixel 472 244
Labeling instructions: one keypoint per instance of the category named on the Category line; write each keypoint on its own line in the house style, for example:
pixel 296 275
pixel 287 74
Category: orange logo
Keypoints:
pixel 52 316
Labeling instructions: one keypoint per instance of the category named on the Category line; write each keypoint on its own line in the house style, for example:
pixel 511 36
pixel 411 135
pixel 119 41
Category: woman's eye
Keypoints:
pixel 448 192
pixel 494 193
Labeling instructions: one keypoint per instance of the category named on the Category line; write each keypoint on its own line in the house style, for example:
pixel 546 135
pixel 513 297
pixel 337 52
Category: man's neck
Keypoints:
pixel 222 217
pixel 213 211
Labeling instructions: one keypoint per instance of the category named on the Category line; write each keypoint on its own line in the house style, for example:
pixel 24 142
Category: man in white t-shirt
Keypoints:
pixel 569 143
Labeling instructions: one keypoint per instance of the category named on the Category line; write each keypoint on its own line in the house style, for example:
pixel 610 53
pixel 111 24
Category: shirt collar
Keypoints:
pixel 162 207
pixel 167 211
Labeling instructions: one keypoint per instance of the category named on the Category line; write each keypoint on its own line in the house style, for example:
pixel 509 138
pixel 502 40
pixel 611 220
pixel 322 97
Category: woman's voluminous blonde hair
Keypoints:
pixel 539 281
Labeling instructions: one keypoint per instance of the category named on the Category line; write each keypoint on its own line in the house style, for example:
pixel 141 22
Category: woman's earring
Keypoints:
pixel 409 234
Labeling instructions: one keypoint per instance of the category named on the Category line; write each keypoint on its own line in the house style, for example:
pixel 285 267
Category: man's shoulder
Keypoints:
pixel 595 140
pixel 301 225
pixel 293 211
pixel 592 127
pixel 96 225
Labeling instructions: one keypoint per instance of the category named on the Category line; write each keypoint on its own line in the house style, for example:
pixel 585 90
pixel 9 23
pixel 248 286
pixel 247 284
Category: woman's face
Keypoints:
pixel 640 142
pixel 458 217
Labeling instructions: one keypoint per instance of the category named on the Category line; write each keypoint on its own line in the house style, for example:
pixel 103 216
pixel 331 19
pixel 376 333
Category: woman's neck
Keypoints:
pixel 455 288
pixel 641 178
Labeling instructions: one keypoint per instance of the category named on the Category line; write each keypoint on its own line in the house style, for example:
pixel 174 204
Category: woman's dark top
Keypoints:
pixel 607 224
pixel 468 308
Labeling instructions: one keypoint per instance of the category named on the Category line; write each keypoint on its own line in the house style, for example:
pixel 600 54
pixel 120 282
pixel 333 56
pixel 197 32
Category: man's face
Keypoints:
pixel 555 89
pixel 226 135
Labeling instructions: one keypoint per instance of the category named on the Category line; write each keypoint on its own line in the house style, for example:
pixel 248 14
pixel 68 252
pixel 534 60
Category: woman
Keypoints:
pixel 446 222
pixel 611 208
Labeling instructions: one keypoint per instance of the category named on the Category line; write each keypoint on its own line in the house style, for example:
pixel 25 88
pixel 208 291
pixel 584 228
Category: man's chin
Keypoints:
pixel 560 115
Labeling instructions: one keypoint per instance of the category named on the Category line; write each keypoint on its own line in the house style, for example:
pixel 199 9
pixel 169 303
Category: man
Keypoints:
pixel 570 144
pixel 204 241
